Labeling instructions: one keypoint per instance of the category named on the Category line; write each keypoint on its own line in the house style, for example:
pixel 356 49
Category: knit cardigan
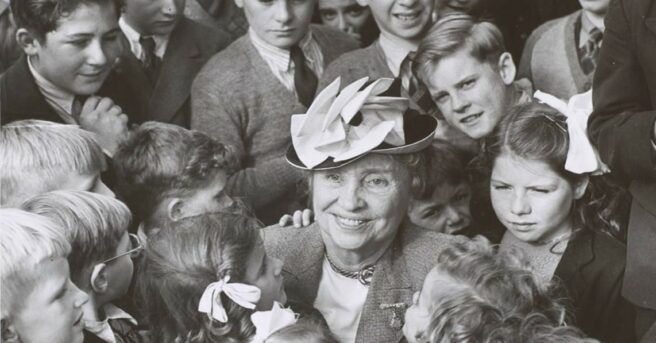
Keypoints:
pixel 550 59
pixel 237 100
pixel 351 66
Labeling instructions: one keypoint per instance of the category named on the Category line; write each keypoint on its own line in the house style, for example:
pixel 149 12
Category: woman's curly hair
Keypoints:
pixel 180 262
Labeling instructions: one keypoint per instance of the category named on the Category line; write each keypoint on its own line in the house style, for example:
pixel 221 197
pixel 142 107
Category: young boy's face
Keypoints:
pixel 119 271
pixel 79 54
pixel 52 312
pixel 209 199
pixel 344 15
pixel 418 316
pixel 281 23
pixel 406 20
pixel 446 211
pixel 153 17
pixel 598 7
pixel 472 95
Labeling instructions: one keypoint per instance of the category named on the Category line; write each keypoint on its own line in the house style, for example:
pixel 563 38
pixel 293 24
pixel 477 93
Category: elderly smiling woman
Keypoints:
pixel 362 260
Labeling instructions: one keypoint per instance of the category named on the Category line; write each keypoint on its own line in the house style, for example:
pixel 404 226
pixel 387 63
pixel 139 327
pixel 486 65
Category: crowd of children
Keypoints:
pixel 144 148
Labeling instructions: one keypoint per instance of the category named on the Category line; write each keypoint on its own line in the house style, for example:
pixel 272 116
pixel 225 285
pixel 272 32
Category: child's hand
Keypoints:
pixel 299 218
pixel 106 119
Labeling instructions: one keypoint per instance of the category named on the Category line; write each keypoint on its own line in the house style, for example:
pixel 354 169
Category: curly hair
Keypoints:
pixel 181 260
pixel 489 295
pixel 538 132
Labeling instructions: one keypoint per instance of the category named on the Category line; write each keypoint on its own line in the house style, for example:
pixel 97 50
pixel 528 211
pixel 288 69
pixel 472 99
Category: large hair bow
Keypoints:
pixel 268 322
pixel 582 157
pixel 242 294
pixel 328 129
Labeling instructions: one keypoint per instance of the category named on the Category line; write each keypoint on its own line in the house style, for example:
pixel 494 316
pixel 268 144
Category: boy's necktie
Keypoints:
pixel 416 91
pixel 151 62
pixel 590 52
pixel 305 81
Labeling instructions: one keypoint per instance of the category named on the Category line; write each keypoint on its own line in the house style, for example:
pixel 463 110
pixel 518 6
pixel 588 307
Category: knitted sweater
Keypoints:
pixel 550 59
pixel 369 61
pixel 237 100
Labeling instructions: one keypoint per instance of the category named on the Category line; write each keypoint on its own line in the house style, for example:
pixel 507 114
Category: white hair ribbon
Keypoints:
pixel 242 294
pixel 268 322
pixel 324 131
pixel 582 157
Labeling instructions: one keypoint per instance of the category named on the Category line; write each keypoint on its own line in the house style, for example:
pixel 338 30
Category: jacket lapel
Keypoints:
pixel 179 66
pixel 390 293
pixel 23 98
pixel 304 283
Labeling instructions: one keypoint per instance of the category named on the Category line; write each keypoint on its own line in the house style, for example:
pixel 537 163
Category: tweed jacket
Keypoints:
pixel 622 127
pixel 237 100
pixel 550 59
pixel 356 64
pixel 399 273
pixel 591 269
pixel 169 99
pixel 20 97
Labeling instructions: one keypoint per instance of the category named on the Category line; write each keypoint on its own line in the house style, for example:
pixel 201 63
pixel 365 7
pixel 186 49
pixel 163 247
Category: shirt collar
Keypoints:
pixel 280 57
pixel 161 41
pixel 395 52
pixel 52 92
pixel 102 329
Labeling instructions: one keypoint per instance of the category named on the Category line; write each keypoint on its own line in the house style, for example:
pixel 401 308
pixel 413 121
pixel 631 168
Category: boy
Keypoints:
pixel 469 74
pixel 561 55
pixel 245 95
pixel 39 301
pixel 165 51
pixel 66 74
pixel 166 173
pixel 39 156
pixel 100 259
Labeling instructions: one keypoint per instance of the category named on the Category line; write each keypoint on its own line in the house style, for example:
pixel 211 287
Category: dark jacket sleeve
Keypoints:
pixel 622 123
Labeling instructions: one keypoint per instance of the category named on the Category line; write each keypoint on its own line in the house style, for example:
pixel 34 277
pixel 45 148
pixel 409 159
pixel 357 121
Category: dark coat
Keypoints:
pixel 591 269
pixel 169 99
pixel 20 97
pixel 622 125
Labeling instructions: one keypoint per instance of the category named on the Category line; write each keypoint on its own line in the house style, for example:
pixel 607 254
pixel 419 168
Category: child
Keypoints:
pixel 101 256
pixel 560 56
pixel 165 173
pixel 39 156
pixel 245 95
pixel 442 204
pixel 204 276
pixel 165 52
pixel 543 192
pixel 9 50
pixel 475 294
pixel 39 301
pixel 302 332
pixel 65 79
pixel 350 17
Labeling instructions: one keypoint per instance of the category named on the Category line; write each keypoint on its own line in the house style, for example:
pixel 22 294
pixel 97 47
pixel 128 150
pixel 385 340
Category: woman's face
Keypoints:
pixel 531 200
pixel 360 206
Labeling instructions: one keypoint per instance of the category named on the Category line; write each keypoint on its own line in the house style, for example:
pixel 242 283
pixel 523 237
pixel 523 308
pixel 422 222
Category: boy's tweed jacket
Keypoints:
pixel 236 99
pixel 550 59
pixel 399 273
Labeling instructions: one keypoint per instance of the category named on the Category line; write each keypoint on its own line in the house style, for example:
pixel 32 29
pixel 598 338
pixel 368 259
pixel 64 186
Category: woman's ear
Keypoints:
pixel 507 68
pixel 580 187
pixel 98 279
pixel 9 333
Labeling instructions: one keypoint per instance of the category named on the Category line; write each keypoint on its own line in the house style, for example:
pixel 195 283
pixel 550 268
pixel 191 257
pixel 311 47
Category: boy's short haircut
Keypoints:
pixel 26 240
pixel 161 160
pixel 34 153
pixel 446 165
pixel 94 225
pixel 43 16
pixel 454 32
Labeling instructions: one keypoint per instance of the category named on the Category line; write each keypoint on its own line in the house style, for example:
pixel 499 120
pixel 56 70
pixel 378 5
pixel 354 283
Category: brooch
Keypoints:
pixel 398 313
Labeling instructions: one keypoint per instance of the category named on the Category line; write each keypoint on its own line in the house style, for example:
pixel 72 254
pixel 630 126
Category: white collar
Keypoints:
pixel 52 93
pixel 102 329
pixel 280 57
pixel 161 41
pixel 395 51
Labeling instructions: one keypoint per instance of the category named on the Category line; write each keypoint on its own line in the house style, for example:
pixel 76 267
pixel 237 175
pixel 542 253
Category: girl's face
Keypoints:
pixel 265 273
pixel 418 316
pixel 531 200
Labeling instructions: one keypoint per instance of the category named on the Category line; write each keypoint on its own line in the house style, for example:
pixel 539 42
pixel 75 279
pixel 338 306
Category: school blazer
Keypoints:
pixel 624 96
pixel 399 273
pixel 169 99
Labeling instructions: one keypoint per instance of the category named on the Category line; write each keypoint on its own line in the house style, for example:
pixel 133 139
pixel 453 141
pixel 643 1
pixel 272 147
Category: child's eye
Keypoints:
pixel 355 12
pixel 328 15
pixel 541 190
pixel 469 83
pixel 80 43
pixel 432 212
pixel 500 187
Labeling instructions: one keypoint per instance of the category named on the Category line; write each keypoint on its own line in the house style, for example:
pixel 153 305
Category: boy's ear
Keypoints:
pixel 98 278
pixel 239 3
pixel 175 209
pixel 9 333
pixel 27 41
pixel 507 68
pixel 580 187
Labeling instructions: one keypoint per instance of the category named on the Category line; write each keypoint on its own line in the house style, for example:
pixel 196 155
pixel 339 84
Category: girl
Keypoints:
pixel 204 276
pixel 542 191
